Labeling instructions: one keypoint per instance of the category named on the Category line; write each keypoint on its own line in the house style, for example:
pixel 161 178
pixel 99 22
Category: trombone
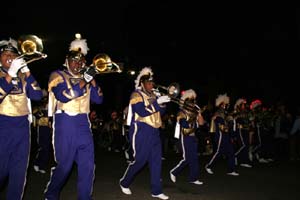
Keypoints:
pixel 173 91
pixel 31 45
pixel 104 65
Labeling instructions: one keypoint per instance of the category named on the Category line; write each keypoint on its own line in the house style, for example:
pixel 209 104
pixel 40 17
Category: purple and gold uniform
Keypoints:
pixel 187 123
pixel 145 120
pixel 145 139
pixel 72 136
pixel 15 109
pixel 221 122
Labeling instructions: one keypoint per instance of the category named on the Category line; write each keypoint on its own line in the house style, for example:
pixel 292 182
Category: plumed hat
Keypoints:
pixel 239 102
pixel 9 45
pixel 188 94
pixel 255 103
pixel 145 74
pixel 222 98
pixel 78 48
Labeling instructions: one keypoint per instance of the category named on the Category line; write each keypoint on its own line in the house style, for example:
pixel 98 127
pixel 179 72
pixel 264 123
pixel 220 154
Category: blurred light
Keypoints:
pixel 78 36
pixel 131 72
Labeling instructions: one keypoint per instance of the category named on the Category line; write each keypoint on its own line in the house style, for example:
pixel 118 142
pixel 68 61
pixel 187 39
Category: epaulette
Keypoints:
pixel 54 80
pixel 136 98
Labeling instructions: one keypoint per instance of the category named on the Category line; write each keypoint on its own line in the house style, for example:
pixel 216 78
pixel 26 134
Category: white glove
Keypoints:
pixel 15 66
pixel 156 93
pixel 88 78
pixel 163 99
pixel 25 69
pixel 89 74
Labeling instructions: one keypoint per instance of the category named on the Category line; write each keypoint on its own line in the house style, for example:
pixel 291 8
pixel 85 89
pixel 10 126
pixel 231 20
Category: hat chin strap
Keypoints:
pixel 70 71
pixel 145 91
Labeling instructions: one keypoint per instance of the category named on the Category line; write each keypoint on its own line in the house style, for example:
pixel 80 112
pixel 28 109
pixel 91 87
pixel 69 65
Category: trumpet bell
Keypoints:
pixel 30 44
pixel 103 64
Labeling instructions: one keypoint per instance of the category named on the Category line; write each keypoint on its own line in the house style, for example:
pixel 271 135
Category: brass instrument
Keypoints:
pixel 31 45
pixel 103 64
pixel 212 126
pixel 173 91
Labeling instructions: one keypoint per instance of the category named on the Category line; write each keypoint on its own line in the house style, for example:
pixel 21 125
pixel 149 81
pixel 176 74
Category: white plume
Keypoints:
pixel 189 94
pixel 144 71
pixel 222 98
pixel 79 44
pixel 239 102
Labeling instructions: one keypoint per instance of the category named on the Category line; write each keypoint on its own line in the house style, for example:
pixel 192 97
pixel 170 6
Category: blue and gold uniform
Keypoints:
pixel 187 123
pixel 222 124
pixel 44 135
pixel 15 112
pixel 69 103
pixel 242 127
pixel 144 114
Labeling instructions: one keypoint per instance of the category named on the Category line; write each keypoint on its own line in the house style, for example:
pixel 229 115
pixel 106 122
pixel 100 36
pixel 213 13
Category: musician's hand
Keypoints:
pixel 15 66
pixel 200 119
pixel 156 93
pixel 25 69
pixel 89 74
pixel 163 99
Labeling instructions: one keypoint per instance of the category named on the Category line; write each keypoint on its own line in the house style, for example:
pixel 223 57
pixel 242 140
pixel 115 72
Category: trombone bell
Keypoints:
pixel 172 90
pixel 31 45
pixel 103 64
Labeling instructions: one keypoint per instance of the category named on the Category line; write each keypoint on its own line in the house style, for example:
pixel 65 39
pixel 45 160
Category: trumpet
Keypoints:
pixel 103 64
pixel 31 45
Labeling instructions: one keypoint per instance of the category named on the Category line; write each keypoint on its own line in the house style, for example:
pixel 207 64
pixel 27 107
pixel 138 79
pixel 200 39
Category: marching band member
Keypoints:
pixel 187 122
pixel 70 93
pixel 242 129
pixel 222 137
pixel 17 88
pixel 144 118
pixel 261 122
pixel 44 135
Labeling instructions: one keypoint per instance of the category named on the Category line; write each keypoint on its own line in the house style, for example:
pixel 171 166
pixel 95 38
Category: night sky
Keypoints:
pixel 245 50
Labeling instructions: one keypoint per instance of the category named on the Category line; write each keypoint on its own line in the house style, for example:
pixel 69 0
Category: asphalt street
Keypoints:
pixel 278 180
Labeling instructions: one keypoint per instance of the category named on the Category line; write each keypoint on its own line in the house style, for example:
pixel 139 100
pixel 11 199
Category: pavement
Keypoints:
pixel 278 180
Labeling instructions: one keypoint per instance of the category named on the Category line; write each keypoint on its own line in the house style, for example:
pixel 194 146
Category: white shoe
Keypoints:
pixel 160 196
pixel 125 190
pixel 37 169
pixel 233 174
pixel 246 165
pixel 197 182
pixel 208 170
pixel 262 160
pixel 172 177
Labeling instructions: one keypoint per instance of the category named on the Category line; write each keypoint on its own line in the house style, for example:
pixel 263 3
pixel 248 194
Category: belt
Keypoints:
pixel 67 112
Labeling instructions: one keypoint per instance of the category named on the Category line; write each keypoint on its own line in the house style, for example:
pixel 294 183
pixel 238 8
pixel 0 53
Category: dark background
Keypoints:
pixel 243 49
